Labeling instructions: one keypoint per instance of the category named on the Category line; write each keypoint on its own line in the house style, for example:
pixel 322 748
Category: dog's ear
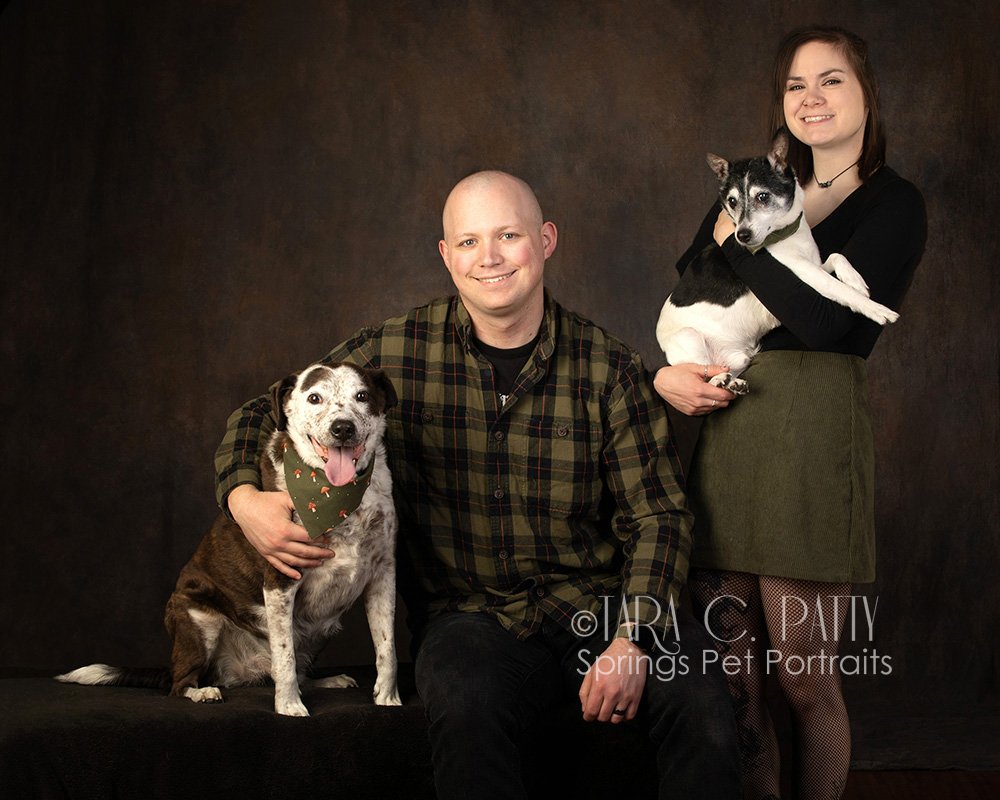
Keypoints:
pixel 278 394
pixel 778 154
pixel 719 166
pixel 381 382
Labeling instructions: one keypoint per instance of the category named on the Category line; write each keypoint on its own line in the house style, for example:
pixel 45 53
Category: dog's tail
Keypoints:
pixel 134 677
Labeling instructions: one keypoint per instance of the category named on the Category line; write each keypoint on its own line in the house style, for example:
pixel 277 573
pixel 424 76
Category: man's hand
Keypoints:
pixel 266 520
pixel 614 682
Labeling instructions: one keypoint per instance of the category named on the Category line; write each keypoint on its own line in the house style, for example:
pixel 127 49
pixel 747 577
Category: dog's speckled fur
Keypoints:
pixel 236 620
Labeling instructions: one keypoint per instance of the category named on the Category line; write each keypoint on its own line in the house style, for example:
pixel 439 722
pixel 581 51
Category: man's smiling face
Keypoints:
pixel 495 245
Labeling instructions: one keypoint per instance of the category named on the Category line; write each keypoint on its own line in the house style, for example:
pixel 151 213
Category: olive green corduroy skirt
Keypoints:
pixel 782 481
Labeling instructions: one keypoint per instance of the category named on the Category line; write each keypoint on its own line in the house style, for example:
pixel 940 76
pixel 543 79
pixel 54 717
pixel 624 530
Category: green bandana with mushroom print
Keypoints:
pixel 320 505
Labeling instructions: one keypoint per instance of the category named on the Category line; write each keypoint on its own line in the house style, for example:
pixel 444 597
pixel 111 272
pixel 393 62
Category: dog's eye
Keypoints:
pixel 314 398
pixel 361 396
pixel 763 197
pixel 731 201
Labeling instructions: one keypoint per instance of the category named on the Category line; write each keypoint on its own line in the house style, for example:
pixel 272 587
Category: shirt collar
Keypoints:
pixel 546 343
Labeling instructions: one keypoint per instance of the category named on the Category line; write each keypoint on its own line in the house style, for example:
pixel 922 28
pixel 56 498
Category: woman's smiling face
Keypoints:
pixel 824 101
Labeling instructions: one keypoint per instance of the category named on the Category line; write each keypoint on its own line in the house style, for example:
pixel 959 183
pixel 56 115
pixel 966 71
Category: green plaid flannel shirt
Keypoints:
pixel 561 501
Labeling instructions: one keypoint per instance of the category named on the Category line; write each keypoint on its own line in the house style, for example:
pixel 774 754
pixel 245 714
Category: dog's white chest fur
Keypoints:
pixel 362 545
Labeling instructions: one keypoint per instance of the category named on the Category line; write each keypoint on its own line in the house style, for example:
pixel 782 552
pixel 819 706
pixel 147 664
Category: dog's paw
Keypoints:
pixel 854 281
pixel 336 682
pixel 386 694
pixel 291 708
pixel 389 700
pixel 847 275
pixel 880 313
pixel 725 380
pixel 206 694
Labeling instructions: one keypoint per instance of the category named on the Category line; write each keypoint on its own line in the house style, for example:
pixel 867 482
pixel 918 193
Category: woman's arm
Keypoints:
pixel 701 238
pixel 685 386
pixel 883 247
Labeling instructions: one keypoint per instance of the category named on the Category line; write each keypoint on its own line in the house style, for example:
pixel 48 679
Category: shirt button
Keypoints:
pixel 498 435
pixel 539 591
pixel 504 555
pixel 498 494
pixel 562 430
pixel 427 416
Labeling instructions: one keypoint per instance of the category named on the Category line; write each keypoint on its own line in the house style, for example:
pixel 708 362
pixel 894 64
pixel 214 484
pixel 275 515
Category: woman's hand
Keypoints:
pixel 685 387
pixel 724 228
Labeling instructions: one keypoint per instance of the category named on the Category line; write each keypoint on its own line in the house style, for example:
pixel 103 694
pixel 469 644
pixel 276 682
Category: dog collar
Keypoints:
pixel 776 236
pixel 322 506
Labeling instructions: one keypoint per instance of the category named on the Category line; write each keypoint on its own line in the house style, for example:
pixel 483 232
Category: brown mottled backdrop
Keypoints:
pixel 200 197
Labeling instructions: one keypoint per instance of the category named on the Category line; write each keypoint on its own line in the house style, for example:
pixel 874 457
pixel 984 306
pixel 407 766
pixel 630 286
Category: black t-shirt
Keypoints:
pixel 507 364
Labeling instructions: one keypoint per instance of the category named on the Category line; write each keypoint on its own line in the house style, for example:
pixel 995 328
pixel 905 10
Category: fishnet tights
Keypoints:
pixel 745 617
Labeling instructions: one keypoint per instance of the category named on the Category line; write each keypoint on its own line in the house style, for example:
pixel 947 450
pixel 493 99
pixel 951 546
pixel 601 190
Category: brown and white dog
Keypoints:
pixel 236 620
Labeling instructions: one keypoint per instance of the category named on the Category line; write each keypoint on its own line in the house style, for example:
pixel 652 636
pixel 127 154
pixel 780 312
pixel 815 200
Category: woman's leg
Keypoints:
pixel 736 623
pixel 805 620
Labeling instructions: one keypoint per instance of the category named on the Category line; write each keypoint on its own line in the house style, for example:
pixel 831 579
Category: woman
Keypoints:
pixel 782 480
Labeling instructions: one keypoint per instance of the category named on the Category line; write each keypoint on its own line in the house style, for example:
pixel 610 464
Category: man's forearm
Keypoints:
pixel 247 429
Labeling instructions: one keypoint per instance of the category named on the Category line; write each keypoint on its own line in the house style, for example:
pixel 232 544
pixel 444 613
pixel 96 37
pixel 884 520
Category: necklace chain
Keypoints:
pixel 827 184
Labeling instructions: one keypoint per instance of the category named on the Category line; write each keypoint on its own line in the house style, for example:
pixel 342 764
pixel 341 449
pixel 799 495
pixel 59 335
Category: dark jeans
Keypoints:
pixel 483 689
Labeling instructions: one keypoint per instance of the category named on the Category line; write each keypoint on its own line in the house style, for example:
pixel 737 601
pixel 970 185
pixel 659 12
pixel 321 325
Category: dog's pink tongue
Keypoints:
pixel 339 467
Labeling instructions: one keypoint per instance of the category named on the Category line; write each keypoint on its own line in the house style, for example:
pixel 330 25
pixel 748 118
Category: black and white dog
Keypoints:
pixel 712 317
pixel 235 619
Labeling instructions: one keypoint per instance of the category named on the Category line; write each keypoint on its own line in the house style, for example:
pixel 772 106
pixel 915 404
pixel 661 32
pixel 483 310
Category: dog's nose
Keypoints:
pixel 342 429
pixel 744 235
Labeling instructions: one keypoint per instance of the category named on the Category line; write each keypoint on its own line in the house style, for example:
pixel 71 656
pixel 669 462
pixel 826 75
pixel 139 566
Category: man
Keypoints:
pixel 536 484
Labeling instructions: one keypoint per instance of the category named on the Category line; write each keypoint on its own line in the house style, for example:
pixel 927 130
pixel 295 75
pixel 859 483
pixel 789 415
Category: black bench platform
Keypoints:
pixel 67 741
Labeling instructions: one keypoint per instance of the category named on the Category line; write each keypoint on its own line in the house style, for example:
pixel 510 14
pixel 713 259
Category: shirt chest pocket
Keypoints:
pixel 558 462
pixel 429 444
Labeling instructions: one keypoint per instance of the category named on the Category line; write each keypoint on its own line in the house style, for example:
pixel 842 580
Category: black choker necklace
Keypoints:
pixel 826 184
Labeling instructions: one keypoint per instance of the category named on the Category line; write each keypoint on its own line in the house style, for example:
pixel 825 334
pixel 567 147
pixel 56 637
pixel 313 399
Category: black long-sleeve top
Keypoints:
pixel 881 228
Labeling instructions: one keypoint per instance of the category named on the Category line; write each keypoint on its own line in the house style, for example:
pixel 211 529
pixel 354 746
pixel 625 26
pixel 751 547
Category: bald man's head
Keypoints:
pixel 495 245
pixel 486 181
